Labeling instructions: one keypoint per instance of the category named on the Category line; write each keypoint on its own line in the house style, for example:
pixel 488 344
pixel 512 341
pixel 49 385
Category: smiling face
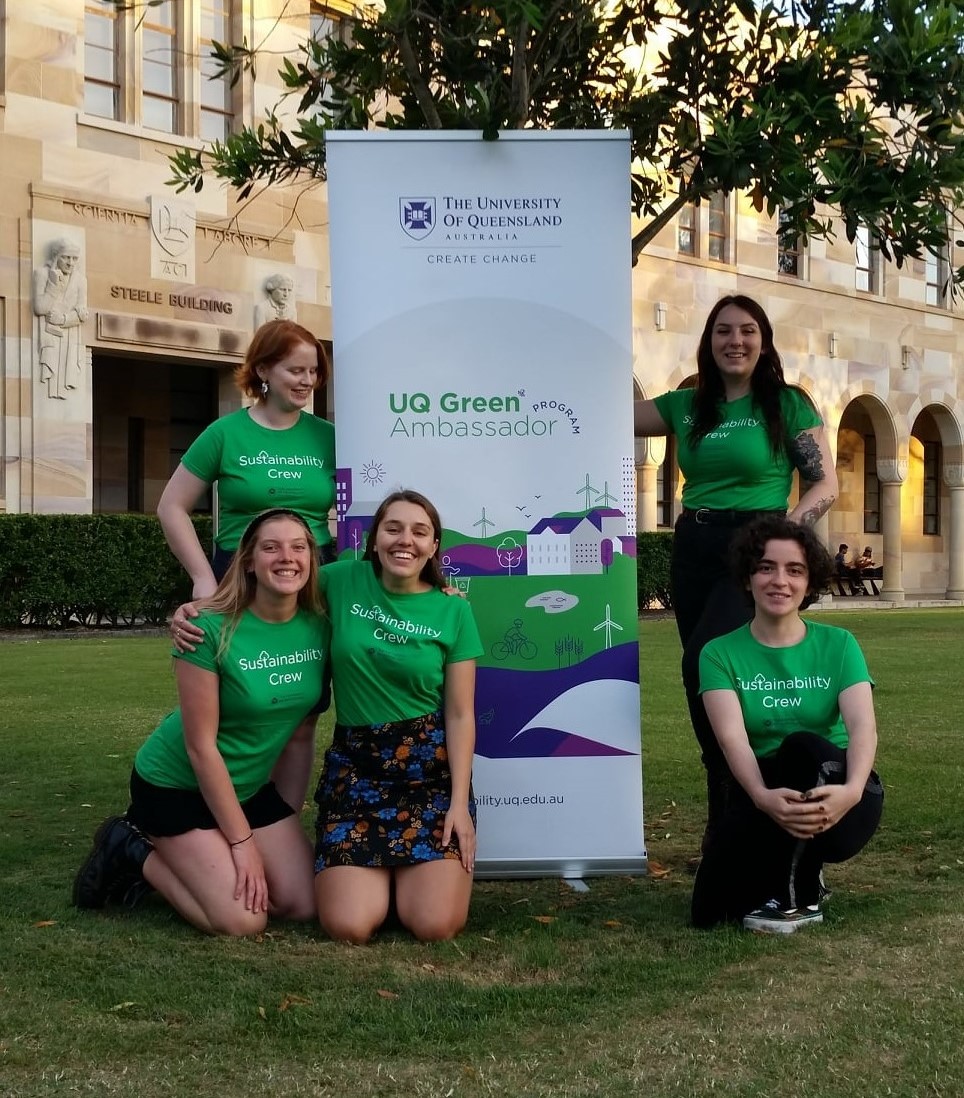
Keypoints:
pixel 404 542
pixel 292 379
pixel 281 558
pixel 736 343
pixel 781 580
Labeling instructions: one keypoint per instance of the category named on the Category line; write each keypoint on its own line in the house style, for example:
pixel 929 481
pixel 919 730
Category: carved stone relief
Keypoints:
pixel 60 305
pixel 279 300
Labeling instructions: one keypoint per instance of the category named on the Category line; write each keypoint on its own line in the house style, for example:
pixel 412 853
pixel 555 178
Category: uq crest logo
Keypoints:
pixel 417 216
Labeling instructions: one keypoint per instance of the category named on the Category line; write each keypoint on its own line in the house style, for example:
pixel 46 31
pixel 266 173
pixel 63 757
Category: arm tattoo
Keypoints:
pixel 807 459
pixel 815 510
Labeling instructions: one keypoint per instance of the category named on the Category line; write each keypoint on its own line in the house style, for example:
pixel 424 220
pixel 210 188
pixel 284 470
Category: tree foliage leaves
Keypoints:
pixel 855 108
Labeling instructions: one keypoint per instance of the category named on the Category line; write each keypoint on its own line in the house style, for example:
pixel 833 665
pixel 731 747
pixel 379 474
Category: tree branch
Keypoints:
pixel 519 95
pixel 422 91
pixel 652 228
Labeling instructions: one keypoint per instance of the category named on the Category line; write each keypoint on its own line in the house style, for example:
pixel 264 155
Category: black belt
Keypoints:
pixel 704 516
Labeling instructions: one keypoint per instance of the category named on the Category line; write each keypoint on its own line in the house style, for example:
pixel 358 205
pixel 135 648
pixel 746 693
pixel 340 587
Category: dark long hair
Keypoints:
pixel 432 570
pixel 766 385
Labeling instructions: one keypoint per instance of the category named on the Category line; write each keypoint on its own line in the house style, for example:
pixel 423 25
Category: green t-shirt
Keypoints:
pixel 734 467
pixel 270 677
pixel 784 690
pixel 256 468
pixel 388 651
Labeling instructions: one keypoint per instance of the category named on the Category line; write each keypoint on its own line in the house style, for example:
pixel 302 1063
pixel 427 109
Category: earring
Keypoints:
pixel 264 389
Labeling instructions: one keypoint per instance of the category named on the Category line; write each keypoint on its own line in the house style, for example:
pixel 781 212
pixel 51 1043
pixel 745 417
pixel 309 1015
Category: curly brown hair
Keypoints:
pixel 269 345
pixel 749 545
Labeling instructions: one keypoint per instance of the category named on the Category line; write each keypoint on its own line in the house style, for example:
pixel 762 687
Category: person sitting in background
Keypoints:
pixel 865 560
pixel 791 704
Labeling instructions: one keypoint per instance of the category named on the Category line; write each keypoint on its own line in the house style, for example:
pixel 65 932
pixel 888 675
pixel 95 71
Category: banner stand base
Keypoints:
pixel 577 884
pixel 570 870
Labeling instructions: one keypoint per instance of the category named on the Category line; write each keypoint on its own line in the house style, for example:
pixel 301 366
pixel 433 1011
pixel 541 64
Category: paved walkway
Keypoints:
pixel 875 602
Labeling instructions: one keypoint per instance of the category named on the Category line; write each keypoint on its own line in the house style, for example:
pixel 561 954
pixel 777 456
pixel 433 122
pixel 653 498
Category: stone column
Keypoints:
pixel 649 454
pixel 891 474
pixel 954 479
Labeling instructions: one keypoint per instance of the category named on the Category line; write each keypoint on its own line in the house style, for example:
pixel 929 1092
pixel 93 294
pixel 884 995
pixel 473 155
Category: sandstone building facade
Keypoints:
pixel 124 306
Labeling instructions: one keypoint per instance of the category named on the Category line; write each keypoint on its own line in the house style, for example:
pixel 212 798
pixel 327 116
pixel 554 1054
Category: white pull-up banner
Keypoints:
pixel 481 311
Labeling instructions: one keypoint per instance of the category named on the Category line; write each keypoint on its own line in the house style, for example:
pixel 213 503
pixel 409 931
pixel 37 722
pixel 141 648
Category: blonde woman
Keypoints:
pixel 216 788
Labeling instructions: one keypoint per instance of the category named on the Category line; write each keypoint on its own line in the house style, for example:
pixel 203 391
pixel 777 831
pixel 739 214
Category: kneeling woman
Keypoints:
pixel 791 704
pixel 207 826
pixel 395 809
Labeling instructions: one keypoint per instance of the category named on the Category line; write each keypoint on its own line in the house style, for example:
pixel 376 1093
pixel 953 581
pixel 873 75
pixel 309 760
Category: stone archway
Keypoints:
pixel 934 528
pixel 871 468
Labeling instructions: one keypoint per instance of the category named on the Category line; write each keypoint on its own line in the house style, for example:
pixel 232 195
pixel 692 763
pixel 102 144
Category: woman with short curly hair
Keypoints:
pixel 790 702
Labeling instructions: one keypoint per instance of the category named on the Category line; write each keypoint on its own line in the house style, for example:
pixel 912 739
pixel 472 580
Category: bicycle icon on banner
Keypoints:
pixel 514 643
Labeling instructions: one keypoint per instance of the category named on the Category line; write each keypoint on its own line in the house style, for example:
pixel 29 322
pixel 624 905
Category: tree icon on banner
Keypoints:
pixel 509 554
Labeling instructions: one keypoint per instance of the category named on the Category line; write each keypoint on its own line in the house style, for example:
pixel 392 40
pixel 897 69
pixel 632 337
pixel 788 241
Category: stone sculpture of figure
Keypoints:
pixel 279 303
pixel 60 303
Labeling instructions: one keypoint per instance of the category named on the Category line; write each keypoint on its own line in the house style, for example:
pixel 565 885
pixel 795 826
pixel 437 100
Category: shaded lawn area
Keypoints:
pixel 548 992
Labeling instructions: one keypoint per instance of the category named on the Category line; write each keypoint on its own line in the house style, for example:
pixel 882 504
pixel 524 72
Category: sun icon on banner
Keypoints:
pixel 373 472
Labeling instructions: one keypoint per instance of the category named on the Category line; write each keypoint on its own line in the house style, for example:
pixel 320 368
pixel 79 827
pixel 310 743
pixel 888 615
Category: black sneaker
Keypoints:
pixel 119 849
pixel 774 919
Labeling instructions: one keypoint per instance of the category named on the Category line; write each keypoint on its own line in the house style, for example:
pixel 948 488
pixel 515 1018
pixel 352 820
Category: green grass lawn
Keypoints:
pixel 548 992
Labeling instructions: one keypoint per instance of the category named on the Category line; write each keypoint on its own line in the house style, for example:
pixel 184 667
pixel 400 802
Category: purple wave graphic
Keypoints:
pixel 481 560
pixel 507 700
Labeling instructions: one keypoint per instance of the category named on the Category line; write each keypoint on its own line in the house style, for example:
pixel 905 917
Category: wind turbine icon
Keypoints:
pixel 609 625
pixel 484 522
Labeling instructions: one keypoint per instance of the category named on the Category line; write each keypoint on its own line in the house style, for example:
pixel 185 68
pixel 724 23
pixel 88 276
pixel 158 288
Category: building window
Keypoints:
pixel 788 249
pixel 327 21
pixel 665 485
pixel 686 230
pixel 217 98
pixel 101 83
pixel 935 277
pixel 932 488
pixel 160 53
pixel 871 486
pixel 718 228
pixel 866 261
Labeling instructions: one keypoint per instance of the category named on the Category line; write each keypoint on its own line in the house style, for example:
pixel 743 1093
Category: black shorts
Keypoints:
pixel 163 812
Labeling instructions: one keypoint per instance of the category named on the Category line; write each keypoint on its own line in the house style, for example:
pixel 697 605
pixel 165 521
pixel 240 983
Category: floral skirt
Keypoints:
pixel 383 794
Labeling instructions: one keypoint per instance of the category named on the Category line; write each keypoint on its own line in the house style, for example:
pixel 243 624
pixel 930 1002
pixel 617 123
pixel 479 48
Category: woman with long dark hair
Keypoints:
pixel 740 434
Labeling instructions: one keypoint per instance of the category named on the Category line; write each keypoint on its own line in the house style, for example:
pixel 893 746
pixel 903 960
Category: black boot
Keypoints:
pixel 119 853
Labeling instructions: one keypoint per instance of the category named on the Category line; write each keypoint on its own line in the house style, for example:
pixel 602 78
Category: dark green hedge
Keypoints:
pixel 61 570
pixel 652 569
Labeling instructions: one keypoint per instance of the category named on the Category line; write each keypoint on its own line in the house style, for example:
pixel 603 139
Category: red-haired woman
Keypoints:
pixel 274 454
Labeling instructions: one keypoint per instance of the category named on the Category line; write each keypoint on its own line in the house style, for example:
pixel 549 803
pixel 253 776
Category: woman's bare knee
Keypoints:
pixel 435 927
pixel 342 929
pixel 238 924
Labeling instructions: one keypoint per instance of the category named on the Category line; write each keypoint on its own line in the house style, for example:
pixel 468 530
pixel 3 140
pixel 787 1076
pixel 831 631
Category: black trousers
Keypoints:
pixel 707 603
pixel 751 859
